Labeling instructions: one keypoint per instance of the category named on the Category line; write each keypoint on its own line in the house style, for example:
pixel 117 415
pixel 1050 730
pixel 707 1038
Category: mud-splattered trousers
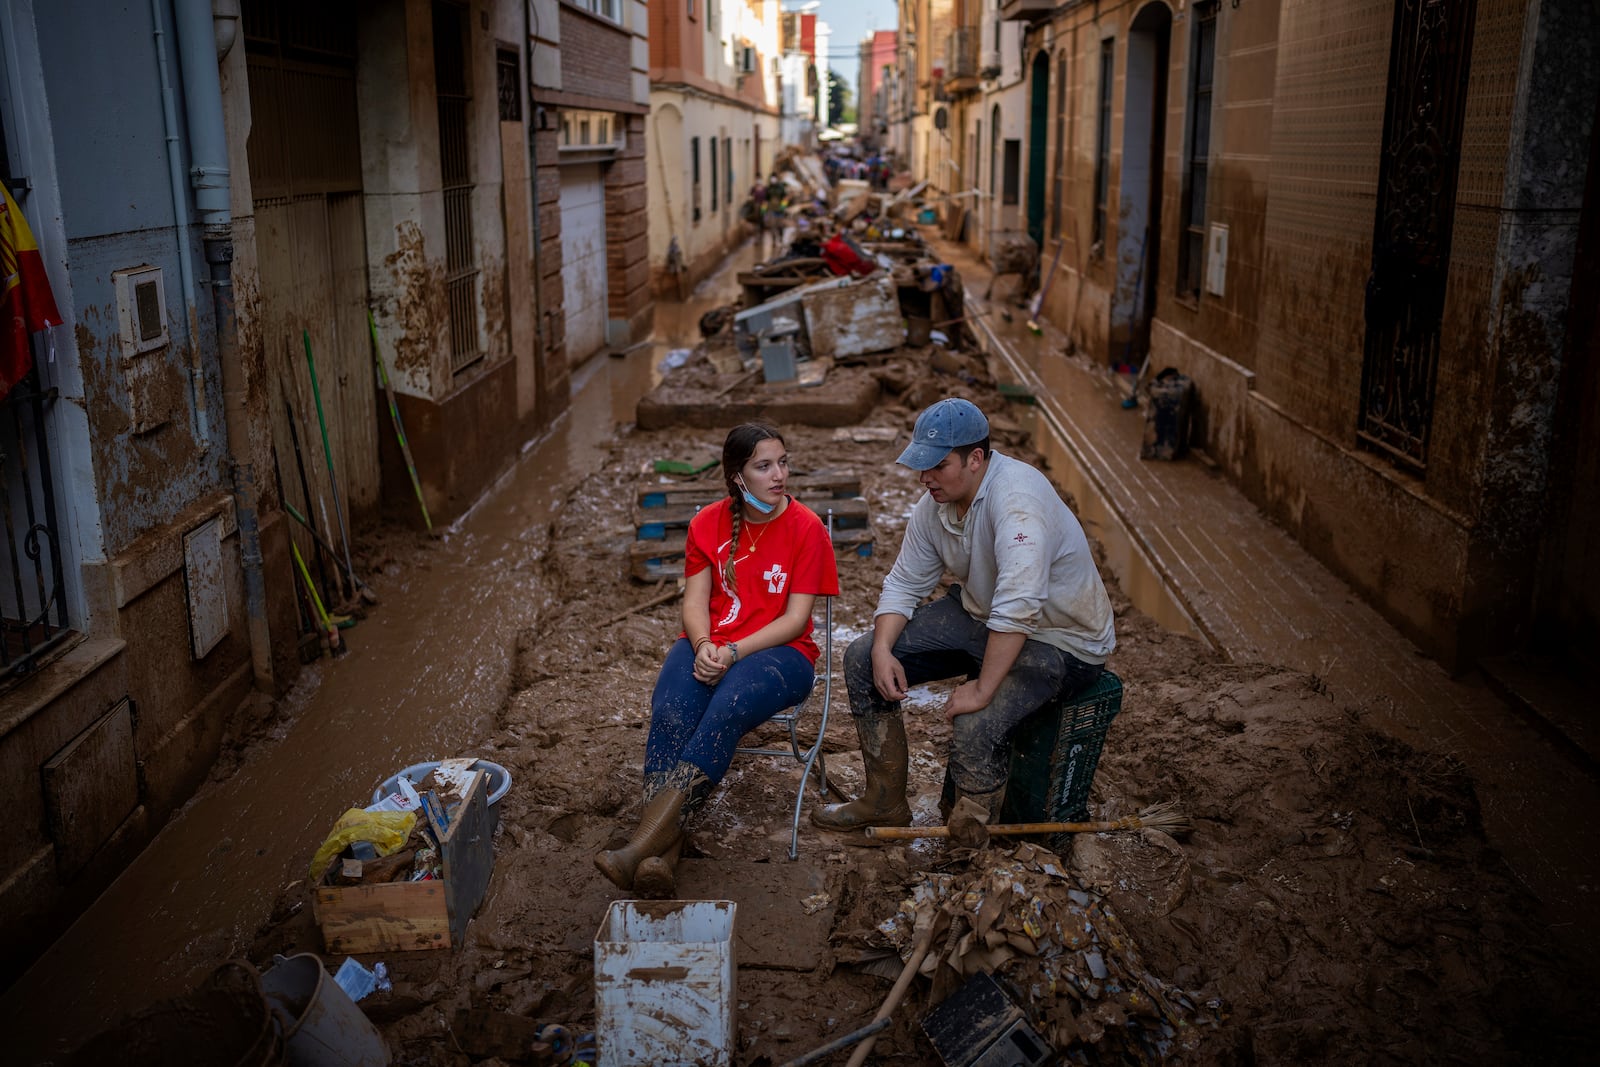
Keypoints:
pixel 691 722
pixel 941 640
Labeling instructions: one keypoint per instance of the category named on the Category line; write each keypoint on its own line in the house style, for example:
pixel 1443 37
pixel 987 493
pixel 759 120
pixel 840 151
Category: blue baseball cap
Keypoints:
pixel 950 423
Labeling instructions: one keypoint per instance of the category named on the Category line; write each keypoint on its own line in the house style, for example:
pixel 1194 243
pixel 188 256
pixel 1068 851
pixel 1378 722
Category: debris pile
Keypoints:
pixel 851 303
pixel 1022 916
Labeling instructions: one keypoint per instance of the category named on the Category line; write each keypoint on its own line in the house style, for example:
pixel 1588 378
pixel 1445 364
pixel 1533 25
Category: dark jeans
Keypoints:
pixel 942 641
pixel 702 724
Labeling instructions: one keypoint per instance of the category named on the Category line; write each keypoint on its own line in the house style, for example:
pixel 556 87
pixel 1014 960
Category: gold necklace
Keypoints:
pixel 761 528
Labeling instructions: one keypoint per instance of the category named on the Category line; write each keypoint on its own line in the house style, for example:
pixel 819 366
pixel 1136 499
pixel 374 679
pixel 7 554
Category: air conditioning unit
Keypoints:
pixel 746 59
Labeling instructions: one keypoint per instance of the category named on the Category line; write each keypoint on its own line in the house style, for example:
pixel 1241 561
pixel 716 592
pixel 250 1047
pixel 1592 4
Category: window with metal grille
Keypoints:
pixel 508 84
pixel 713 174
pixel 455 175
pixel 1011 185
pixel 1192 249
pixel 694 162
pixel 33 580
pixel 727 162
pixel 1102 151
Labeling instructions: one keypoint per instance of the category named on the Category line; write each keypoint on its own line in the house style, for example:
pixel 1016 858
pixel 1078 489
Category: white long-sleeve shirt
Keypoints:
pixel 1021 557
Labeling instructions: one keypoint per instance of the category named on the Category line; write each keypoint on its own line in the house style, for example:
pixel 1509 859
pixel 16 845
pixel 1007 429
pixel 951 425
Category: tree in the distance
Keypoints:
pixel 839 94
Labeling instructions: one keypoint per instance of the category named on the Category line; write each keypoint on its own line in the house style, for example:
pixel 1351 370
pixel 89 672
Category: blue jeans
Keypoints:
pixel 942 641
pixel 692 722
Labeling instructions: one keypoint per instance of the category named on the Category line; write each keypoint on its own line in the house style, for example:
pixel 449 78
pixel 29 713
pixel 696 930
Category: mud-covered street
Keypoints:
pixel 1335 901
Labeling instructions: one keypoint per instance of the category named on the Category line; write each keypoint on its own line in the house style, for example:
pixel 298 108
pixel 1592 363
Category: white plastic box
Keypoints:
pixel 664 984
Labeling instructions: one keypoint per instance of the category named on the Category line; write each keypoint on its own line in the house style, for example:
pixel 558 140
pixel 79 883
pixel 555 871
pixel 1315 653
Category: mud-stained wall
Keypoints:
pixel 143 459
pixel 675 117
pixel 1297 126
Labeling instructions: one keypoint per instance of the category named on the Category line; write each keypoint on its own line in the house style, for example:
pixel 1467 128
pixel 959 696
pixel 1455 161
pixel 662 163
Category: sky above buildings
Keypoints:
pixel 851 20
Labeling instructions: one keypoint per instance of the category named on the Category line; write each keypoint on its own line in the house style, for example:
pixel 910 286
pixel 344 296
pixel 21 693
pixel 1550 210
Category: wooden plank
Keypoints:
pixel 467 848
pixel 815 486
pixel 387 917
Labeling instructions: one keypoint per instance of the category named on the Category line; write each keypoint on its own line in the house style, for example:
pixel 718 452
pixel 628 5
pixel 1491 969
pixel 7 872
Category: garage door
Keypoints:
pixel 583 258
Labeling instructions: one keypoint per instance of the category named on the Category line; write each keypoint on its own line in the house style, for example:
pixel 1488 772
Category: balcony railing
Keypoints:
pixel 33 609
pixel 1026 10
pixel 961 59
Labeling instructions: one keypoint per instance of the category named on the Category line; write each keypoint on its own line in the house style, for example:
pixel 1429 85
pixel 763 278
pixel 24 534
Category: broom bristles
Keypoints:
pixel 1165 817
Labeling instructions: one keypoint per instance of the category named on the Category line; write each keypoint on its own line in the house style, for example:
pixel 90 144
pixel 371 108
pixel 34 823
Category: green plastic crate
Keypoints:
pixel 1054 754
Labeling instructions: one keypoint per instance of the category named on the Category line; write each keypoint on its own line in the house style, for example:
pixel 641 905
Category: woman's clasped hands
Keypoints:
pixel 711 661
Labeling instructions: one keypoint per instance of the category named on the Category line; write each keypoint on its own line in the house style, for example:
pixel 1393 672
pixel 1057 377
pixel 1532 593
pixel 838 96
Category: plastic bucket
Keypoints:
pixel 223 1023
pixel 322 1027
pixel 499 781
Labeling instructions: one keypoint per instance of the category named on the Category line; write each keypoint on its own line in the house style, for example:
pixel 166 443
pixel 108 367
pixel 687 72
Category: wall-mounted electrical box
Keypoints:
pixel 1217 258
pixel 155 383
pixel 141 309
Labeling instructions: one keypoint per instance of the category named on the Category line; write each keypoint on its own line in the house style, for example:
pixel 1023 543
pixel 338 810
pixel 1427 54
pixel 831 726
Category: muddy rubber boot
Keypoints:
pixel 657 876
pixel 659 826
pixel 883 801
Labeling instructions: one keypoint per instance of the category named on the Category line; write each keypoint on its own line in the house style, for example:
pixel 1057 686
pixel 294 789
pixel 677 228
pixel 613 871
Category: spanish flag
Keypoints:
pixel 26 303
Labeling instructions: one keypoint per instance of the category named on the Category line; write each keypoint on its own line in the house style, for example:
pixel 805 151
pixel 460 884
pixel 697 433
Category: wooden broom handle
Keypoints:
pixel 906 833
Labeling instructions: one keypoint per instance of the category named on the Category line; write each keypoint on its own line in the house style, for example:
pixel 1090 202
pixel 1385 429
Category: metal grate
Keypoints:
pixel 33 609
pixel 508 68
pixel 455 172
pixel 1429 61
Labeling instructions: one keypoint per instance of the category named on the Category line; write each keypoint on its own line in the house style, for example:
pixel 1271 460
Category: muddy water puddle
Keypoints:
pixel 425 677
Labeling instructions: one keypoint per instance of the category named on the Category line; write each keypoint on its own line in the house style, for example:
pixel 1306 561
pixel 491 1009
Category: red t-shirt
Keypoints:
pixel 788 554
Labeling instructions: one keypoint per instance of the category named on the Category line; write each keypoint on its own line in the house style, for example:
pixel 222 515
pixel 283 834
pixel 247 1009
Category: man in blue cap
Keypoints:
pixel 1028 622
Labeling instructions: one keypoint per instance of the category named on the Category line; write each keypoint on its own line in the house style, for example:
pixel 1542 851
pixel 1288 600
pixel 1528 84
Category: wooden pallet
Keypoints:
pixel 650 561
pixel 810 488
pixel 662 514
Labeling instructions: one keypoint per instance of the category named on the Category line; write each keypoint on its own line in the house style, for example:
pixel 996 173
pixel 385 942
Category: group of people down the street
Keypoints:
pixel 1026 622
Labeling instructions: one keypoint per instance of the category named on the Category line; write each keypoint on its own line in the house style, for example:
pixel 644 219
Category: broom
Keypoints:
pixel 1044 290
pixel 1164 817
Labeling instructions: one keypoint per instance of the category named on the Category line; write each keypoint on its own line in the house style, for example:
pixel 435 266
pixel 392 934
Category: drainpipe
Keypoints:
pixel 180 212
pixel 208 148
pixel 532 121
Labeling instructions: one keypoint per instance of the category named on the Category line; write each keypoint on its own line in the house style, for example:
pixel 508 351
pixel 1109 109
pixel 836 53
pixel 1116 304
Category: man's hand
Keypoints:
pixel 965 700
pixel 888 674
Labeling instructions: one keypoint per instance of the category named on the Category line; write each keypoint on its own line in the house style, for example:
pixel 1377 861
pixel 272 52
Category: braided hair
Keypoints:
pixel 736 452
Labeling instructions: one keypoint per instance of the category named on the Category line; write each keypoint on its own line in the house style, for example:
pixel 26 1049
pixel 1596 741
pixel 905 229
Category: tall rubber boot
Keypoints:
pixel 657 876
pixel 660 826
pixel 883 801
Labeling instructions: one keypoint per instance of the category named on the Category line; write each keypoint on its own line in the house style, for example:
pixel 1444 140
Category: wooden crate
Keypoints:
pixel 408 916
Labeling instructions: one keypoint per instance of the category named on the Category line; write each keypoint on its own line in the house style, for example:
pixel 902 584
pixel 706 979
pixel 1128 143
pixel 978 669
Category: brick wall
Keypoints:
pixel 628 234
pixel 551 301
pixel 596 57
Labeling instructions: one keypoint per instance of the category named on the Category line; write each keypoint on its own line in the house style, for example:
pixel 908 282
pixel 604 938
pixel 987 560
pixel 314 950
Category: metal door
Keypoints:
pixel 583 259
pixel 1429 57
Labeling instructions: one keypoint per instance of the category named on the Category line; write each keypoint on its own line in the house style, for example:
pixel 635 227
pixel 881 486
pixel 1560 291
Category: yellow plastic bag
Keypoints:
pixel 386 830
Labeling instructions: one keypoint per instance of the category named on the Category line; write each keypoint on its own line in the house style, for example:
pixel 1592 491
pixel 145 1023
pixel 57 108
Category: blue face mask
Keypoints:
pixel 750 498
pixel 765 509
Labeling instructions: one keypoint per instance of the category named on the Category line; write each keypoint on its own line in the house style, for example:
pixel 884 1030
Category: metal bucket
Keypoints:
pixel 322 1027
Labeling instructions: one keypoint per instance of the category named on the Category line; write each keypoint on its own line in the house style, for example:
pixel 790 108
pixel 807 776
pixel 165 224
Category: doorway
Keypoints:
pixel 1038 133
pixel 1138 227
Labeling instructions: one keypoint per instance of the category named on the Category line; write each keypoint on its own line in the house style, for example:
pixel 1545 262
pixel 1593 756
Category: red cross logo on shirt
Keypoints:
pixel 776 578
pixel 1020 538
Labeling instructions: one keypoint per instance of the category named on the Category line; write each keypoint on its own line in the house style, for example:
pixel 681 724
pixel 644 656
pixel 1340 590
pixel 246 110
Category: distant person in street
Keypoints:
pixel 1028 622
pixel 754 565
